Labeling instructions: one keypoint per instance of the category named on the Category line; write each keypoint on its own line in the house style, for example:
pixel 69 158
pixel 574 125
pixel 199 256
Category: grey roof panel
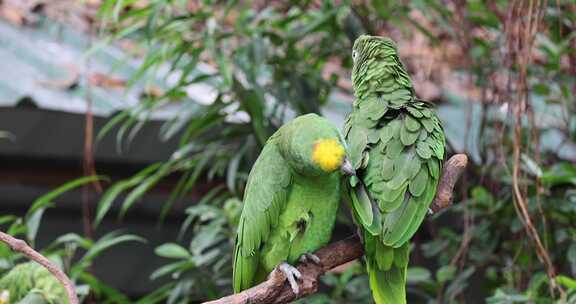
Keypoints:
pixel 33 57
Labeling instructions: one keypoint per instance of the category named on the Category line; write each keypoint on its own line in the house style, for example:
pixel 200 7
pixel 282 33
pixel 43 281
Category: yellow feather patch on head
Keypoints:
pixel 328 154
pixel 4 297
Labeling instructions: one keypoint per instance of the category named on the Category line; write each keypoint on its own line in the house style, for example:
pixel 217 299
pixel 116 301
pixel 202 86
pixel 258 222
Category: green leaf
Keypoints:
pixel 207 236
pixel 33 223
pixel 191 210
pixel 172 251
pixel 445 273
pixel 7 135
pixel 560 173
pixel 538 280
pixel 253 103
pixel 73 238
pixel 103 290
pixel 159 295
pixel 383 8
pixel 47 198
pixel 312 26
pixel 541 89
pixel 571 256
pixel 500 297
pixel 418 275
pixel 567 282
pixel 460 282
pixel 7 219
pixel 33 298
pixel 144 186
pixel 110 195
pixel 423 29
pixel 107 241
pixel 172 268
pixel 531 165
pixel 232 170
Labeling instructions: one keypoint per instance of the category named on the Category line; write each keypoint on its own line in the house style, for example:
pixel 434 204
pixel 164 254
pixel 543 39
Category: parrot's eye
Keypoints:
pixel 354 54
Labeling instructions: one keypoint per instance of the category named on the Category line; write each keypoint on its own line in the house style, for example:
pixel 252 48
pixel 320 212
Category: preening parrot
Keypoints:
pixel 31 283
pixel 396 144
pixel 290 201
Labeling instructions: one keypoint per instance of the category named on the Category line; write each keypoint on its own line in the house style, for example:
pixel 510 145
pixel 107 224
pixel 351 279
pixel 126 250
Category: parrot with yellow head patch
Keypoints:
pixel 396 146
pixel 290 201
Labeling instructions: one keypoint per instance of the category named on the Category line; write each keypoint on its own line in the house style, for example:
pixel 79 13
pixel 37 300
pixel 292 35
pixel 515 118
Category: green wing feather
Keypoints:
pixel 264 199
pixel 403 168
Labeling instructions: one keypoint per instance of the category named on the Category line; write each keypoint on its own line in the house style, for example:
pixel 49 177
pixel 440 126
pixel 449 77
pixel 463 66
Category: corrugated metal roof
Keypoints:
pixel 36 62
pixel 33 58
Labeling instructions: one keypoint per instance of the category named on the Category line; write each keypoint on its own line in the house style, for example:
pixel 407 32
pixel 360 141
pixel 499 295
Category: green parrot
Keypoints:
pixel 291 200
pixel 396 145
pixel 31 283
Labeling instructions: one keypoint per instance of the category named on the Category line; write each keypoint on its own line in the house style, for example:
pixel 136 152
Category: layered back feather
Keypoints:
pixel 396 144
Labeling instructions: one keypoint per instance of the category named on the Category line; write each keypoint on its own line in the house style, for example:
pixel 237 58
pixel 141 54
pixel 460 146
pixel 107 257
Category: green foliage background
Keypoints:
pixel 267 61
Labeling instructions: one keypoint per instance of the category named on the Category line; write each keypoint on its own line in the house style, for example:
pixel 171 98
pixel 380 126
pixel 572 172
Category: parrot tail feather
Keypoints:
pixel 388 286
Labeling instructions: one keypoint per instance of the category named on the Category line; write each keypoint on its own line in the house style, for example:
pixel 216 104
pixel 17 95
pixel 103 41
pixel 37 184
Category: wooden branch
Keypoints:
pixel 276 290
pixel 21 246
pixel 453 168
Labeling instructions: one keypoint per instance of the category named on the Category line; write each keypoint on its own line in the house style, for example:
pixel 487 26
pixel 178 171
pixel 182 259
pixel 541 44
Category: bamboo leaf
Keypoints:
pixel 46 199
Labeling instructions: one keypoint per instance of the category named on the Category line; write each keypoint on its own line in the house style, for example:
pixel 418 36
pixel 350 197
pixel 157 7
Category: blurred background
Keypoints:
pixel 128 128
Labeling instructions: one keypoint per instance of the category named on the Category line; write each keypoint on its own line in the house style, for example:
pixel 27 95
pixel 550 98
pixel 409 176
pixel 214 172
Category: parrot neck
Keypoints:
pixel 386 88
pixel 381 79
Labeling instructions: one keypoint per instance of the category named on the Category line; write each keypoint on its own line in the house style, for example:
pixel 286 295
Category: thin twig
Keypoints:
pixel 21 246
pixel 522 28
pixel 276 290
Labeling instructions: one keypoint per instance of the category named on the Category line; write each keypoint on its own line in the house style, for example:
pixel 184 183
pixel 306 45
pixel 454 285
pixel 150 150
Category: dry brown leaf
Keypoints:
pixel 66 83
pixel 106 81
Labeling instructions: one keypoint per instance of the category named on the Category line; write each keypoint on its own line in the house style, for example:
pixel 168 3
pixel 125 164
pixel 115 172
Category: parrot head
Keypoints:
pixel 375 58
pixel 313 146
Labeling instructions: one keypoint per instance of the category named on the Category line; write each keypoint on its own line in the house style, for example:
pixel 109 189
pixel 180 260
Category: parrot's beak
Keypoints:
pixel 347 168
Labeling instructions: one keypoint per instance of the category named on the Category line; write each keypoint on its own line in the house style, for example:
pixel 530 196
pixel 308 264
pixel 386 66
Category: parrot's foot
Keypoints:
pixel 292 274
pixel 310 258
